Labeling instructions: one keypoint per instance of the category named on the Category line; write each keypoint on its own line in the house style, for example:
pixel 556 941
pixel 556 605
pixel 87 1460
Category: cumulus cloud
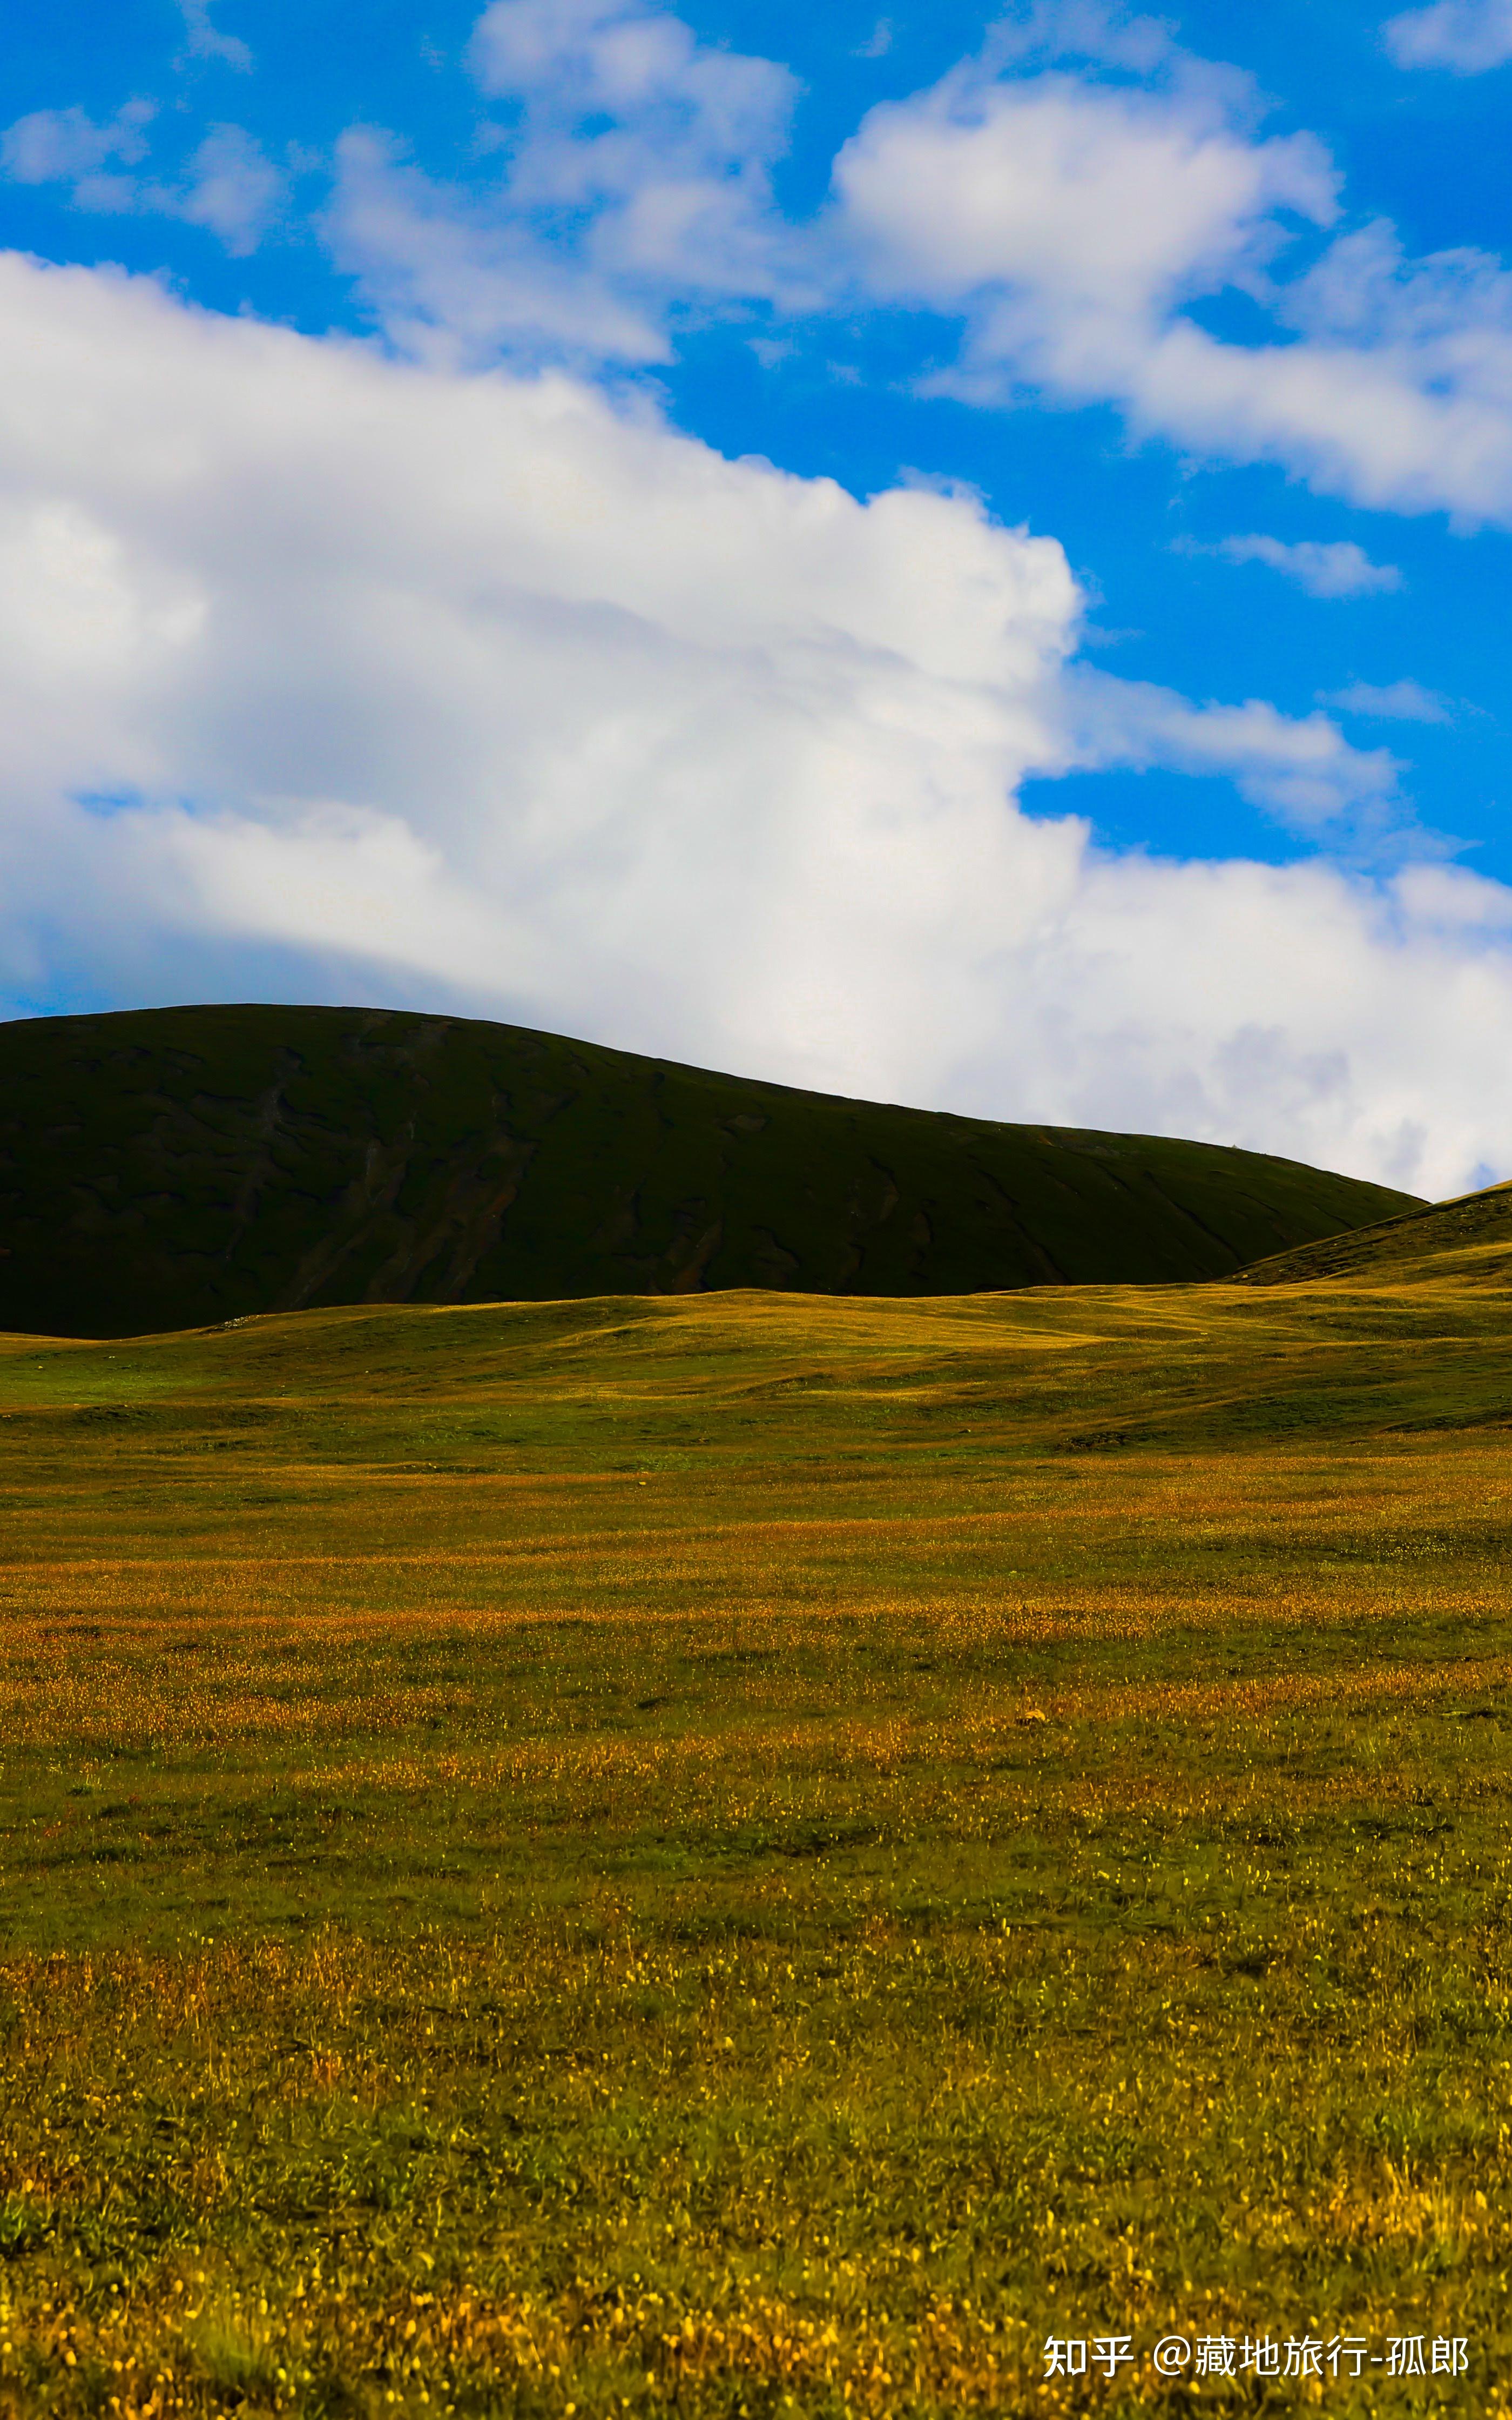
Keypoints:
pixel 1303 772
pixel 451 281
pixel 1326 568
pixel 634 176
pixel 1468 35
pixel 232 187
pixel 68 147
pixel 1071 221
pixel 1402 701
pixel 621 103
pixel 483 691
pixel 1106 196
pixel 1067 196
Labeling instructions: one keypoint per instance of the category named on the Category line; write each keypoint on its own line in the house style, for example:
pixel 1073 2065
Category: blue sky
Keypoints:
pixel 1134 749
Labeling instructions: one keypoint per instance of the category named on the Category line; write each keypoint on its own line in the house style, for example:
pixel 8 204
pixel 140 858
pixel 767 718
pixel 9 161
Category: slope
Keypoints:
pixel 721 1853
pixel 174 1167
pixel 1469 1237
pixel 694 1384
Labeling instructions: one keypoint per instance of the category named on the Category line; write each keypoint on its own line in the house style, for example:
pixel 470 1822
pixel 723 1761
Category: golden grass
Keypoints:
pixel 751 1854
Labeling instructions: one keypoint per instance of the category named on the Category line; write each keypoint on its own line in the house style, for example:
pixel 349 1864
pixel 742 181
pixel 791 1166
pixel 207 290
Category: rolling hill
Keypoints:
pixel 171 1168
pixel 1468 1237
pixel 741 1839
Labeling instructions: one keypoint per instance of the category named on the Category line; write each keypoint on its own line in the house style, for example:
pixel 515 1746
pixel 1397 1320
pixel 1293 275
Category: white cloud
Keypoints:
pixel 1104 33
pixel 618 96
pixel 1402 701
pixel 234 189
pixel 1070 217
pixel 1468 35
pixel 483 691
pixel 634 177
pixel 1326 568
pixel 1108 198
pixel 1070 223
pixel 204 42
pixel 454 281
pixel 1303 772
pixel 66 146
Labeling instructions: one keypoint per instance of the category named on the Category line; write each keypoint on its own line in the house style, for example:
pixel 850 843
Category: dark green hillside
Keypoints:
pixel 169 1168
pixel 1468 1237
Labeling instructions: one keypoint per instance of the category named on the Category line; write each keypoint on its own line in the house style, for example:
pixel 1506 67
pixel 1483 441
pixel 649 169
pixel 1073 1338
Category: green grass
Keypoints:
pixel 1468 1237
pixel 743 1854
pixel 171 1166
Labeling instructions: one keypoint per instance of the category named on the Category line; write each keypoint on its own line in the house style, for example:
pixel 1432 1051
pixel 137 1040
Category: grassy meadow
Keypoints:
pixel 750 1853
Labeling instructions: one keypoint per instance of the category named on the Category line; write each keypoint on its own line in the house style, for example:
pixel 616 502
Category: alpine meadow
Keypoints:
pixel 743 1853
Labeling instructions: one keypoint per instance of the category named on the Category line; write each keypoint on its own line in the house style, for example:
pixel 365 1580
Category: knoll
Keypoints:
pixel 170 1167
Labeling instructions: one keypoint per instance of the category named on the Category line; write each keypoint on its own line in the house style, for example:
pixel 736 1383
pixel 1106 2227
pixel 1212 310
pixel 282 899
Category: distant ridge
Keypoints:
pixel 172 1167
pixel 1470 1237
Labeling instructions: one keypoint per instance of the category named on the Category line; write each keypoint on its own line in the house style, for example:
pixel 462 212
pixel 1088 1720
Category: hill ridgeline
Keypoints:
pixel 174 1168
pixel 1468 1237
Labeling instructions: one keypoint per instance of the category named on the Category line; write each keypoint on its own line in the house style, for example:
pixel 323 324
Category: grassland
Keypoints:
pixel 746 1853
pixel 167 1168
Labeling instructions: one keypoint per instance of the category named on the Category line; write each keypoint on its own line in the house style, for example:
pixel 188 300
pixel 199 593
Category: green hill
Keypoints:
pixel 1468 1237
pixel 171 1168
